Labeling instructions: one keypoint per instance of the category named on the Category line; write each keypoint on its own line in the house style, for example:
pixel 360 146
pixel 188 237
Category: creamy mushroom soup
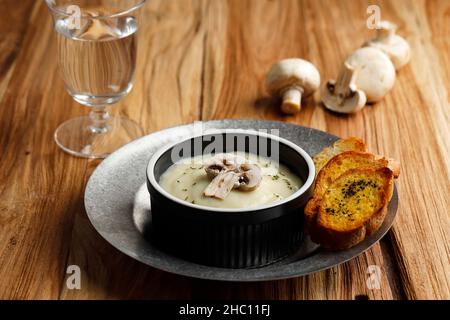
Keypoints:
pixel 189 180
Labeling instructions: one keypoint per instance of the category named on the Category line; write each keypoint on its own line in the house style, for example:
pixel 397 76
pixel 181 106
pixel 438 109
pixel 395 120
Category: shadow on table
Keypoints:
pixel 106 273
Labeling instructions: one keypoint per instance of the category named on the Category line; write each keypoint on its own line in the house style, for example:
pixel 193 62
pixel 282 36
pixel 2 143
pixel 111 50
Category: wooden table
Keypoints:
pixel 202 60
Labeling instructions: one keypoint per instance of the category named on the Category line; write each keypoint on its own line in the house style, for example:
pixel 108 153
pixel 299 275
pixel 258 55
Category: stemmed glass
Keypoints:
pixel 97 44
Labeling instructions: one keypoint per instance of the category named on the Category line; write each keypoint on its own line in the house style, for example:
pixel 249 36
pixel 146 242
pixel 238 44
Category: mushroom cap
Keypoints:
pixel 293 72
pixel 229 171
pixel 397 49
pixel 222 162
pixel 250 176
pixel 353 103
pixel 376 74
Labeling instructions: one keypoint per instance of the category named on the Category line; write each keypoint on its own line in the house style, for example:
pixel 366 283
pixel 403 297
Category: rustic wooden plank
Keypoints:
pixel 167 93
pixel 421 235
pixel 341 29
pixel 108 274
pixel 37 199
pixel 167 90
pixel 12 26
pixel 241 61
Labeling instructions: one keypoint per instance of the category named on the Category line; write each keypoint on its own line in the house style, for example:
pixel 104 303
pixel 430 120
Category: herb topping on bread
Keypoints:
pixel 352 207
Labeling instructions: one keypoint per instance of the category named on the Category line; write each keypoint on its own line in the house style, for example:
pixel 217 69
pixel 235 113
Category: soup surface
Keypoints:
pixel 187 180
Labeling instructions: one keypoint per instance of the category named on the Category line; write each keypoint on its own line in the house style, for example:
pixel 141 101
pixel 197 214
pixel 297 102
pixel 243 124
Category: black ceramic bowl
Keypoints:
pixel 229 238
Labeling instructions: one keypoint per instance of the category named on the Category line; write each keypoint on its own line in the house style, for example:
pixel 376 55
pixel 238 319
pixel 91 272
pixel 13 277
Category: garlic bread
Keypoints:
pixel 345 161
pixel 349 144
pixel 353 206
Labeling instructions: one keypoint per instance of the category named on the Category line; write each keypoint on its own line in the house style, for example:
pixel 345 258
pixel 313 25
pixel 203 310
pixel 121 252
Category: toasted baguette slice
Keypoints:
pixel 353 206
pixel 349 144
pixel 345 161
pixel 393 164
pixel 311 209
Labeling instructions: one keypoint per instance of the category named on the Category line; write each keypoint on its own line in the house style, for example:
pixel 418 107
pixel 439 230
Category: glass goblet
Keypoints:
pixel 97 44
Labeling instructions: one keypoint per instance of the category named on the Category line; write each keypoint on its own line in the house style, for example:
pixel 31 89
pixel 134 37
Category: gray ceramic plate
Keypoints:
pixel 118 206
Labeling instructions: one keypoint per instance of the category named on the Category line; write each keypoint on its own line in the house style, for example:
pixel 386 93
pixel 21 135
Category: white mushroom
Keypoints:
pixel 222 185
pixel 376 73
pixel 396 47
pixel 229 172
pixel 292 79
pixel 342 95
pixel 222 162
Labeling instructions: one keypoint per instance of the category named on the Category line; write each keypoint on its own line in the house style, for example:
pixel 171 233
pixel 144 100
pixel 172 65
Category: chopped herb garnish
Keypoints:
pixel 351 189
pixel 277 195
pixel 329 210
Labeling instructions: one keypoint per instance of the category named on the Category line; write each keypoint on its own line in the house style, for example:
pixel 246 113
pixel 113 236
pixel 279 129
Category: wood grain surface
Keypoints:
pixel 207 59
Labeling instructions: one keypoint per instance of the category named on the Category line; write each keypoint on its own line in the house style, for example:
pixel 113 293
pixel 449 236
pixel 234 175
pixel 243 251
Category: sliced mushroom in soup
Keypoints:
pixel 238 180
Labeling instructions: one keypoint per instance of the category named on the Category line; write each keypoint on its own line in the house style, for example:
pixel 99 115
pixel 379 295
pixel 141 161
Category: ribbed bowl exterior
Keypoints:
pixel 229 238
pixel 228 241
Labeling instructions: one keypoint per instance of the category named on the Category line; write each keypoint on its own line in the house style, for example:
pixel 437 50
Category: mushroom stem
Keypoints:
pixel 222 185
pixel 385 29
pixel 292 98
pixel 345 82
